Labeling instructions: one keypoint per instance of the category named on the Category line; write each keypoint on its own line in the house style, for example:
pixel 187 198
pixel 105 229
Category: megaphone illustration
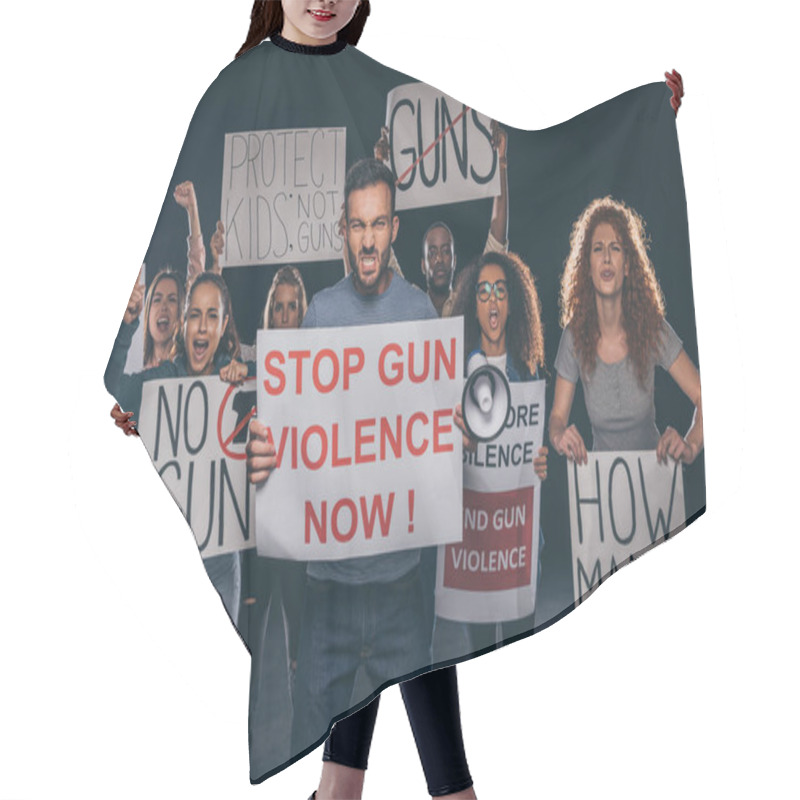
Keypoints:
pixel 485 400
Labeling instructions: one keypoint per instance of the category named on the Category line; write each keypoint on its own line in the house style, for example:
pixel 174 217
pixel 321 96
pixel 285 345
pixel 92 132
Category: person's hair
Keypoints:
pixel 149 344
pixel 364 173
pixel 524 328
pixel 642 299
pixel 288 276
pixel 266 19
pixel 229 343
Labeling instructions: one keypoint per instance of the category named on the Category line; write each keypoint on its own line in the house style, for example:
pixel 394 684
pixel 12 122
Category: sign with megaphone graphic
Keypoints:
pixel 486 399
pixel 491 575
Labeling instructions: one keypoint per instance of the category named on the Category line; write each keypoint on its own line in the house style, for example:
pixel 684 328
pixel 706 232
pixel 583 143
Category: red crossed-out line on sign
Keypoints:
pixel 239 427
pixel 438 139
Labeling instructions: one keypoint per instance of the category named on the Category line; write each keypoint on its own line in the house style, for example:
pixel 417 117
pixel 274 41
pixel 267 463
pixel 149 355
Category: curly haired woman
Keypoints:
pixel 502 319
pixel 615 332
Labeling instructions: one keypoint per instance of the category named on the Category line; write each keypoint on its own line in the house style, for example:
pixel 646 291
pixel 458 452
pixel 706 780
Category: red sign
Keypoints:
pixel 496 553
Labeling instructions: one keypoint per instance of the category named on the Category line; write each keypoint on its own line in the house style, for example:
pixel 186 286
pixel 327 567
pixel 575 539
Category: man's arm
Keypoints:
pixel 498 227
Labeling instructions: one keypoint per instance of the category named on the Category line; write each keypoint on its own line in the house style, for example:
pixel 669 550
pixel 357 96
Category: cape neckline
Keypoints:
pixel 315 50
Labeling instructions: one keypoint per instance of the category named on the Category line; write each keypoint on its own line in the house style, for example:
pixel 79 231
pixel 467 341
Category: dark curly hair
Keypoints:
pixel 642 299
pixel 266 19
pixel 524 329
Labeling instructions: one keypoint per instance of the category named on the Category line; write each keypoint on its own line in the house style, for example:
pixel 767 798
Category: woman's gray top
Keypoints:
pixel 622 412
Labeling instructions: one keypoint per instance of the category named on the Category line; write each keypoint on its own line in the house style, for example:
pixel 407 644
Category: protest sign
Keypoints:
pixel 620 504
pixel 195 430
pixel 440 150
pixel 491 575
pixel 282 193
pixel 362 421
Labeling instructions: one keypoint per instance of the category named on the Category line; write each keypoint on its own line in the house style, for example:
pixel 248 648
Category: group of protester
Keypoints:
pixel 615 333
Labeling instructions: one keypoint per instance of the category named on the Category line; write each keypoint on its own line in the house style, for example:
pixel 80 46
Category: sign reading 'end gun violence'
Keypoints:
pixel 491 575
pixel 195 430
pixel 282 193
pixel 440 150
pixel 369 458
pixel 620 504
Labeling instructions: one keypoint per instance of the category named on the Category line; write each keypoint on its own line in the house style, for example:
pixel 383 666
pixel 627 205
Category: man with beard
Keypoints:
pixel 361 612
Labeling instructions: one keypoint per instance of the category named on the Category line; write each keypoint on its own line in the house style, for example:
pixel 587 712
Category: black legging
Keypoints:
pixel 432 706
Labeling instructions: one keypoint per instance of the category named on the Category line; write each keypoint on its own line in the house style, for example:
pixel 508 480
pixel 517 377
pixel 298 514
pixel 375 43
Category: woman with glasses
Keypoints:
pixel 497 297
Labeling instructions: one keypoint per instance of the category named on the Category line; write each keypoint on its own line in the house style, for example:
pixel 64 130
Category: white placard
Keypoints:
pixel 282 194
pixel 195 431
pixel 491 575
pixel 440 150
pixel 620 504
pixel 369 456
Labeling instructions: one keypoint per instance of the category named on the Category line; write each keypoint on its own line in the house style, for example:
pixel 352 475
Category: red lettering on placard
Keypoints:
pixel 345 520
pixel 362 439
pixel 496 553
pixel 340 533
pixel 336 459
pixel 325 388
pixel 441 429
pixel 422 376
pixel 353 363
pixel 298 356
pixel 384 514
pixel 397 369
pixel 443 359
pixel 277 356
pixel 394 438
pixel 280 448
pixel 416 450
pixel 314 464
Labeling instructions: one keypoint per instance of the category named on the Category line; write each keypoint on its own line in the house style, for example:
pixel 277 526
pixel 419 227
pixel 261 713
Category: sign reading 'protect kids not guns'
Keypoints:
pixel 369 458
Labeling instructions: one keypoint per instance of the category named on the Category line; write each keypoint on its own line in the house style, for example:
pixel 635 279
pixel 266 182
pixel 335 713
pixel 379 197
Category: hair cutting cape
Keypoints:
pixel 382 546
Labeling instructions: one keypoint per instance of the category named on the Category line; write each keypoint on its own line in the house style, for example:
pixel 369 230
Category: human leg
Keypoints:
pixel 346 754
pixel 226 576
pixel 351 738
pixel 397 636
pixel 396 641
pixel 327 659
pixel 433 710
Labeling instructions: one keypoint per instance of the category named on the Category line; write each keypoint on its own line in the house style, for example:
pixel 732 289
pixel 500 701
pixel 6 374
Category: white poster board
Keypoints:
pixel 491 575
pixel 362 421
pixel 620 504
pixel 440 150
pixel 195 431
pixel 282 195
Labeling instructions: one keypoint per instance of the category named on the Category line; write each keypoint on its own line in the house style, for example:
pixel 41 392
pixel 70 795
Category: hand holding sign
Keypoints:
pixel 234 373
pixel 499 140
pixel 261 456
pixel 672 444
pixel 569 443
pixel 540 464
pixel 123 420
pixel 382 147
pixel 458 418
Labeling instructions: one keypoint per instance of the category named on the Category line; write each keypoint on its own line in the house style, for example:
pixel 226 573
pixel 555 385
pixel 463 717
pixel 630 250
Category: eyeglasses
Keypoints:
pixel 485 289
